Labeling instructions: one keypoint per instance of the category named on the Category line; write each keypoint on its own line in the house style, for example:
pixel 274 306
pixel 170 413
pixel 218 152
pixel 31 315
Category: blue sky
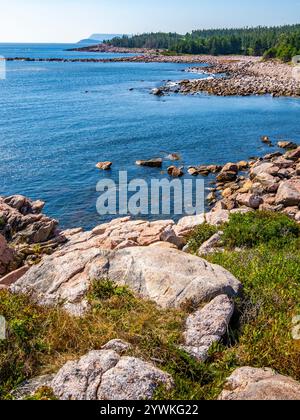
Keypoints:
pixel 71 20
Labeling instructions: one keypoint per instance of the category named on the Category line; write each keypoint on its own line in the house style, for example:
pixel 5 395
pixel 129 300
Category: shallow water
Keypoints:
pixel 59 119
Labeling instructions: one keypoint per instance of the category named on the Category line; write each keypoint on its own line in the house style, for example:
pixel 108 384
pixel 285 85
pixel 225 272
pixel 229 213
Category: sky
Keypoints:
pixel 72 20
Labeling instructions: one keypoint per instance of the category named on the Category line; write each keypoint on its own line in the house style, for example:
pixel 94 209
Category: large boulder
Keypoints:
pixel 166 276
pixel 105 375
pixel 251 384
pixel 289 193
pixel 207 326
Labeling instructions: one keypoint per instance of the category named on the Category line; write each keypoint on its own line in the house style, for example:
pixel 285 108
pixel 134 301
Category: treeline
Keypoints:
pixel 281 42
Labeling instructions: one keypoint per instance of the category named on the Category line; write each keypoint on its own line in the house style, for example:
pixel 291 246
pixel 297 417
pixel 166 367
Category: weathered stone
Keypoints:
pixel 217 217
pixel 211 244
pixel 262 167
pixel 293 155
pixel 105 375
pixel 269 183
pixel 249 384
pixel 242 165
pixel 187 224
pixel 207 326
pixel 6 256
pixel 249 200
pixel 166 276
pixel 117 345
pixel 14 276
pixel 225 176
pixel 289 193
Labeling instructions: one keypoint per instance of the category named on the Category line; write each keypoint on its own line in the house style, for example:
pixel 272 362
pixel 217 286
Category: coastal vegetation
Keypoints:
pixel 282 42
pixel 42 339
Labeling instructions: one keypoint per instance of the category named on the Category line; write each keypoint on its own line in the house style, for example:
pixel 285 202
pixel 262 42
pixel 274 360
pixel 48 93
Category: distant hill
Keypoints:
pixel 89 41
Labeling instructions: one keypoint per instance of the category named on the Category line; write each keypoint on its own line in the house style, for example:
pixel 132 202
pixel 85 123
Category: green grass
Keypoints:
pixel 41 340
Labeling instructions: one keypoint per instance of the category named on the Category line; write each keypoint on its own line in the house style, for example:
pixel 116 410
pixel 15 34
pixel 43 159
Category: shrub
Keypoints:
pixel 255 228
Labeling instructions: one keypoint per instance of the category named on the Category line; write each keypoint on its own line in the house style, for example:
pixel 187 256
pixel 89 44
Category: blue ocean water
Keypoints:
pixel 59 119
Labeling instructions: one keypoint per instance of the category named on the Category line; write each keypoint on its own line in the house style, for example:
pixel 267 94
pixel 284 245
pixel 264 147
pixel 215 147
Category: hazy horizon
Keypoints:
pixel 68 21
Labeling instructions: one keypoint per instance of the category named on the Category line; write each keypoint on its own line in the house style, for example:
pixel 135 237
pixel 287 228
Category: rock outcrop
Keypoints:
pixel 260 384
pixel 6 256
pixel 105 375
pixel 166 276
pixel 22 221
pixel 207 326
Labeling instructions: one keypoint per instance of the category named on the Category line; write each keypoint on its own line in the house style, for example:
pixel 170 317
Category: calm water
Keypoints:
pixel 59 119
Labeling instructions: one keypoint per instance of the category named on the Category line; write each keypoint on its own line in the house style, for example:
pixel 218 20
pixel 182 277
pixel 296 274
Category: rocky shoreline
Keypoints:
pixel 228 75
pixel 240 77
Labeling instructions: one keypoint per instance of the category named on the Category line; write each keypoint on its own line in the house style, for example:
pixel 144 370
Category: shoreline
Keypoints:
pixel 229 75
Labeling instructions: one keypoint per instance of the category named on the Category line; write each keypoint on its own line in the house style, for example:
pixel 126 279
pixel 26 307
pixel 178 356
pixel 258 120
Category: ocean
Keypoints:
pixel 59 119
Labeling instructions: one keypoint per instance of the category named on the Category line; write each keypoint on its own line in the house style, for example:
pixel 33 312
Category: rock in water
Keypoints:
pixel 105 375
pixel 287 145
pixel 207 326
pixel 249 384
pixel 151 163
pixel 104 166
pixel 175 172
pixel 166 276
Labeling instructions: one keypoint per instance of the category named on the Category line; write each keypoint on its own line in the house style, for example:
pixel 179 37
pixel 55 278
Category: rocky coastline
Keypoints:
pixel 240 77
pixel 227 75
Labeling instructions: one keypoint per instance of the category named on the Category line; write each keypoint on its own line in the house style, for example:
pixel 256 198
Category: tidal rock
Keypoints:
pixel 287 145
pixel 175 172
pixel 250 384
pixel 151 163
pixel 105 375
pixel 193 171
pixel 104 166
pixel 166 276
pixel 207 326
pixel 266 140
pixel 289 193
pixel 157 92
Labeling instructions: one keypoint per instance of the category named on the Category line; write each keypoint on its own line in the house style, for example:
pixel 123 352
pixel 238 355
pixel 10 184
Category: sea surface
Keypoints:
pixel 57 120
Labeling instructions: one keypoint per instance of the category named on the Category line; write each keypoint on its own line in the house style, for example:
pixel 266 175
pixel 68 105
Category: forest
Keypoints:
pixel 282 42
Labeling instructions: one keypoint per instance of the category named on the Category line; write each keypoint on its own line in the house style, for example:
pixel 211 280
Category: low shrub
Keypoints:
pixel 255 228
